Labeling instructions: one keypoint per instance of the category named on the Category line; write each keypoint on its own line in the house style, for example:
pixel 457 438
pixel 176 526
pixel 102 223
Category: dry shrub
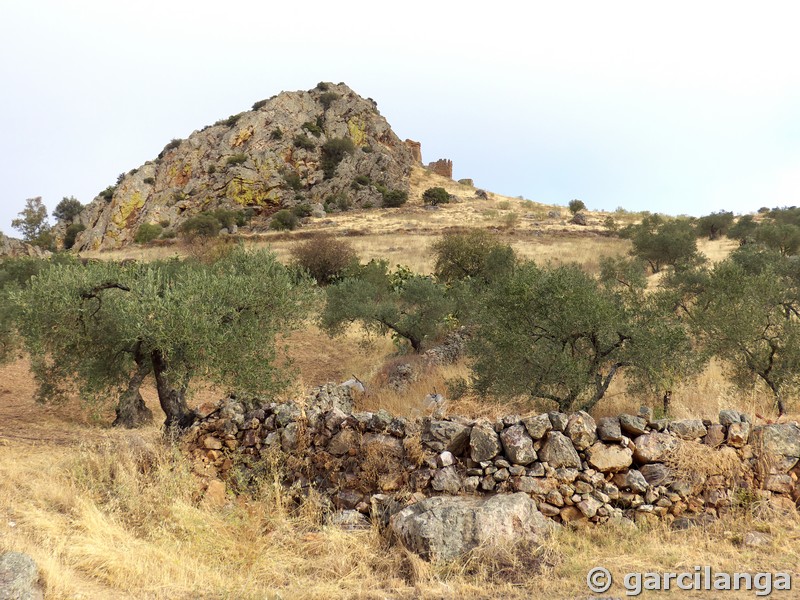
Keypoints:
pixel 415 453
pixel 324 257
pixel 694 461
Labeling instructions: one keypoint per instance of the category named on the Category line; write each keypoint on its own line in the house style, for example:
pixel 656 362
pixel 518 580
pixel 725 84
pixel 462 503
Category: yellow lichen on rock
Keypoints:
pixel 358 130
pixel 242 137
pixel 126 209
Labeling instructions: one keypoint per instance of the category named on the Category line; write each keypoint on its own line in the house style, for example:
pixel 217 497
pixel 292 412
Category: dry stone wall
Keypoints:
pixel 573 467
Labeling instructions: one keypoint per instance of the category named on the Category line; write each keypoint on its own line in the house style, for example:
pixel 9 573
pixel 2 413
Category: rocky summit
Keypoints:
pixel 327 148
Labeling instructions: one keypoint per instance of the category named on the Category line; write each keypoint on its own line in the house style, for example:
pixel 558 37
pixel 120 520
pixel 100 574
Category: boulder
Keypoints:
pixel 446 480
pixel 448 435
pixel 738 434
pixel 688 429
pixel 633 425
pixel 484 443
pixel 446 527
pixel 518 445
pixel 778 439
pixel 558 451
pixel 632 480
pixel 609 458
pixel 558 420
pixel 715 436
pixel 582 430
pixel 608 429
pixel 656 474
pixel 729 417
pixel 653 447
pixel 537 426
pixel 19 577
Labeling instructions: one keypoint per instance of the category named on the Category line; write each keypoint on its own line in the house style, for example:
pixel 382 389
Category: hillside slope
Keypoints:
pixel 325 145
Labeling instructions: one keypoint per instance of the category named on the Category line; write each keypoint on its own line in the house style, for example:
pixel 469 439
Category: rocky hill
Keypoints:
pixel 326 147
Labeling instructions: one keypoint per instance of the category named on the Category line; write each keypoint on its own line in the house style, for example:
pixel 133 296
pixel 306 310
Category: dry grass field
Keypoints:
pixel 118 514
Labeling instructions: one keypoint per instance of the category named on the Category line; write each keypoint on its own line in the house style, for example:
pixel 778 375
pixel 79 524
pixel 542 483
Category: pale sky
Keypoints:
pixel 675 107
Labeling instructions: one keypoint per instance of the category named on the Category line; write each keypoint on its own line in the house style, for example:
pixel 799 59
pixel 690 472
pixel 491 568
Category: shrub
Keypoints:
pixel 284 220
pixel 715 225
pixel 301 140
pixel 276 134
pixel 230 121
pixel 168 234
pixel 661 244
pixel 244 216
pixel 327 99
pixel 322 86
pixel 312 128
pixel 71 234
pixel 108 193
pixel 325 258
pixel 610 224
pixel 394 198
pixel 149 180
pixel 435 196
pixel 236 159
pixel 475 255
pixel 164 223
pixel 259 104
pixel 366 149
pixel 202 225
pixel 302 210
pixel 333 152
pixel 362 180
pixel 226 218
pixel 292 179
pixel 211 169
pixel 174 143
pixel 147 232
pixel 576 206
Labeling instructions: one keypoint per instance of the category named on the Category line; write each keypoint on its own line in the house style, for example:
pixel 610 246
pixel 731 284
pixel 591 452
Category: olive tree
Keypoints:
pixel 107 327
pixel 412 307
pixel 715 225
pixel 474 255
pixel 661 244
pixel 746 311
pixel 558 334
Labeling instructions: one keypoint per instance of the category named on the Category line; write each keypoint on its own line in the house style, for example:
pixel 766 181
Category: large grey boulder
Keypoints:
pixel 446 435
pixel 688 429
pixel 653 447
pixel 19 577
pixel 446 527
pixel 609 458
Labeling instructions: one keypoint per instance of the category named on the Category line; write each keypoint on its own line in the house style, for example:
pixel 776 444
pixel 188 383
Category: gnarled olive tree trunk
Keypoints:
pixel 171 395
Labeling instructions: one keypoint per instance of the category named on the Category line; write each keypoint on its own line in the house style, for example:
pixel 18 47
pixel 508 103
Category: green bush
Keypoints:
pixel 333 152
pixel 174 143
pixel 236 159
pixel 362 180
pixel 230 121
pixel 276 134
pixel 301 140
pixel 293 180
pixel 168 234
pixel 72 232
pixel 259 104
pixel 475 255
pixel 108 193
pixel 284 220
pixel 576 206
pixel 302 210
pixel 435 196
pixel 313 128
pixel 66 210
pixel 202 225
pixel 327 99
pixel 394 198
pixel 149 180
pixel 147 232
pixel 244 216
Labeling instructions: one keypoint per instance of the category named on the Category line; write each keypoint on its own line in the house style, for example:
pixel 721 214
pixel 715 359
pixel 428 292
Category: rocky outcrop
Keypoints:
pixel 416 150
pixel 15 248
pixel 324 146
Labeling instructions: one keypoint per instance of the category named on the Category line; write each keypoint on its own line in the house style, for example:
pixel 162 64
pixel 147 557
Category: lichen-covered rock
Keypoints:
pixel 263 159
pixel 656 474
pixel 609 458
pixel 19 577
pixel 653 447
pixel 582 430
pixel 558 451
pixel 446 480
pixel 518 445
pixel 537 426
pixel 447 527
pixel 688 429
pixel 632 425
pixel 608 429
pixel 632 480
pixel 738 434
pixel 446 435
pixel 779 439
pixel 484 443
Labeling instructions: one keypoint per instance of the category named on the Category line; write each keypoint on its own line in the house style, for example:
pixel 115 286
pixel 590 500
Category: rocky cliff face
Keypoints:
pixel 325 146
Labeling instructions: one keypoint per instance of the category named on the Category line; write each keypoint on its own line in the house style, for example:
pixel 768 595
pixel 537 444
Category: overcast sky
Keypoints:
pixel 675 107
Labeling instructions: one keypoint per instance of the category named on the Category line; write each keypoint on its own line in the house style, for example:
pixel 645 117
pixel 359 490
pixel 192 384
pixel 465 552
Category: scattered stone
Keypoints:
pixel 558 420
pixel 756 539
pixel 349 520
